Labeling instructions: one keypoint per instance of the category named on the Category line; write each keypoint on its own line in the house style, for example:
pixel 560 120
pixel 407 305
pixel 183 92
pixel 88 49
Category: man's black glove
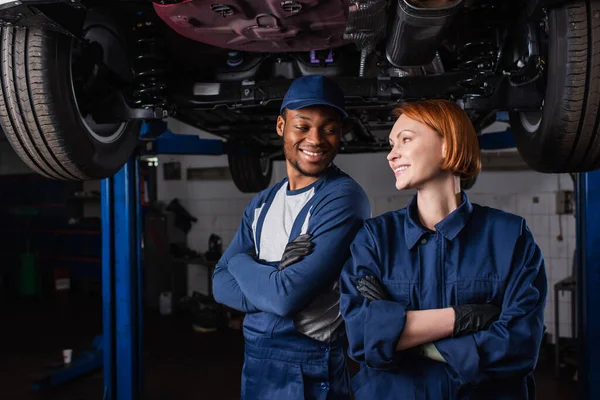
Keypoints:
pixel 471 318
pixel 296 250
pixel 371 289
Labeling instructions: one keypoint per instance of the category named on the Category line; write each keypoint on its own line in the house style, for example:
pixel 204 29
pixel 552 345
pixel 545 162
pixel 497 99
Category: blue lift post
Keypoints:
pixel 588 283
pixel 119 349
pixel 121 285
pixel 122 272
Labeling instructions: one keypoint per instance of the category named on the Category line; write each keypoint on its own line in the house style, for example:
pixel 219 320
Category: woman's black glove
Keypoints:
pixel 469 318
pixel 371 289
pixel 296 250
pixel 472 318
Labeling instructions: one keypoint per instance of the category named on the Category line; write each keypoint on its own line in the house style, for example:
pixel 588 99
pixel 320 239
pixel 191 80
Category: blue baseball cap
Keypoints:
pixel 314 90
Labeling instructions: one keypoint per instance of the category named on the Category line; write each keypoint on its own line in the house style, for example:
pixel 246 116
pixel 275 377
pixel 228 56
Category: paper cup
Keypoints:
pixel 67 354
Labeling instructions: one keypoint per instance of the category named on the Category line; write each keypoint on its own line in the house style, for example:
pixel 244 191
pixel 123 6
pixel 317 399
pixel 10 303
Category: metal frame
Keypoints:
pixel 122 273
pixel 121 285
pixel 81 365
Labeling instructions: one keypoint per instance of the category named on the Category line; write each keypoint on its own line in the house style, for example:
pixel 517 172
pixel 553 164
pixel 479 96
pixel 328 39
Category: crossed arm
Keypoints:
pixel 378 331
pixel 225 288
pixel 242 282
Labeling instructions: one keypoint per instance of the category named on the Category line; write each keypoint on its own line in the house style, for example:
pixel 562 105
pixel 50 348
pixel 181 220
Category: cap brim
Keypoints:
pixel 296 105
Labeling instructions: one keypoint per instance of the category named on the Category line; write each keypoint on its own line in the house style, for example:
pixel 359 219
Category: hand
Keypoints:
pixel 472 318
pixel 296 250
pixel 371 289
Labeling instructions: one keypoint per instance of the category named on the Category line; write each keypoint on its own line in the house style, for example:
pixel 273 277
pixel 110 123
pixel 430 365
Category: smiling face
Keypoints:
pixel 311 137
pixel 417 153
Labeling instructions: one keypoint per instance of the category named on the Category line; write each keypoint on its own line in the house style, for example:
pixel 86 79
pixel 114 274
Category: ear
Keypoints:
pixel 444 151
pixel 280 125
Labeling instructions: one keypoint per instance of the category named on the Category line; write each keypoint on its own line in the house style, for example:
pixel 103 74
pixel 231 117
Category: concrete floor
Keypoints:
pixel 179 363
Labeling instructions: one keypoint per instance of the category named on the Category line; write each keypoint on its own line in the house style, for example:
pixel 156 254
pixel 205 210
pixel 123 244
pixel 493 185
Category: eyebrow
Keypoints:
pixel 304 117
pixel 399 133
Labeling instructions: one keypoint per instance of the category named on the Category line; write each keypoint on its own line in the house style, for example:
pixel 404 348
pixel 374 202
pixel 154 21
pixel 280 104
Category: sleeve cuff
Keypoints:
pixel 462 355
pixel 384 324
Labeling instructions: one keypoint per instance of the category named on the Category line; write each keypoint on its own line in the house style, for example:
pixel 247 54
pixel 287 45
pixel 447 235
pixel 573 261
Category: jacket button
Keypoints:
pixel 324 347
pixel 324 385
pixel 423 241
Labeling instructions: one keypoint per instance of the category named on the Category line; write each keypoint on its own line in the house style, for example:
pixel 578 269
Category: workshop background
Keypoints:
pixel 201 212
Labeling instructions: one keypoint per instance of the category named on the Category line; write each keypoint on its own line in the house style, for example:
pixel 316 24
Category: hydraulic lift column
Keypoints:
pixel 588 284
pixel 121 285
pixel 122 274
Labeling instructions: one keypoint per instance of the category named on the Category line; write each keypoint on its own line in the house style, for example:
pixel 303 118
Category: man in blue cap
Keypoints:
pixel 283 265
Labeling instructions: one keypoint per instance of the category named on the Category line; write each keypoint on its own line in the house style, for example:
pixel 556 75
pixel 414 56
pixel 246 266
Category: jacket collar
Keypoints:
pixel 449 227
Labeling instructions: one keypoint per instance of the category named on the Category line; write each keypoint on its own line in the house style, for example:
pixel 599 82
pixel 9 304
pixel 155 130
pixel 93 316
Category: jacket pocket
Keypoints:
pixel 480 291
pixel 263 378
pixel 399 290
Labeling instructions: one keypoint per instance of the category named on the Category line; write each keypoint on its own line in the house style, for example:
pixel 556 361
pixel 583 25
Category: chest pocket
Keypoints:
pixel 399 290
pixel 480 291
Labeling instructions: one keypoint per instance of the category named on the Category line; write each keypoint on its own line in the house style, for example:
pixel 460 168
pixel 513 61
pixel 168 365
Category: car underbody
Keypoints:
pixel 224 66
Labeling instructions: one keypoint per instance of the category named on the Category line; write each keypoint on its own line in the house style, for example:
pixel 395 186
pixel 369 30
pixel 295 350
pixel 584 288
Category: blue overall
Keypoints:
pixel 476 255
pixel 280 362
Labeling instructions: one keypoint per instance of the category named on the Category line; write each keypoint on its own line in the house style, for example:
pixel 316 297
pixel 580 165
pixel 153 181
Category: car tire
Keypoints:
pixel 39 111
pixel 564 135
pixel 250 172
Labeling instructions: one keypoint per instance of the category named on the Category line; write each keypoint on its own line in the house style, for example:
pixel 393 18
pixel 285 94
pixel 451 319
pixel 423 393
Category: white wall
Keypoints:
pixel 218 205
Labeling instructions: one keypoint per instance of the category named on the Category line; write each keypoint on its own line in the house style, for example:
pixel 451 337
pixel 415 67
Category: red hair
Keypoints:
pixel 453 124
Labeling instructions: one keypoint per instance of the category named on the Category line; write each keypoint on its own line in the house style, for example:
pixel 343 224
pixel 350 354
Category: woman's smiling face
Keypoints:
pixel 416 155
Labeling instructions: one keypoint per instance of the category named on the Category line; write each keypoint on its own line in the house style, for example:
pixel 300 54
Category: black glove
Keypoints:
pixel 296 250
pixel 371 289
pixel 471 318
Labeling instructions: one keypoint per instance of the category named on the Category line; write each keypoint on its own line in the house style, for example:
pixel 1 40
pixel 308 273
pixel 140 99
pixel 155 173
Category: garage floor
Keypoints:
pixel 180 364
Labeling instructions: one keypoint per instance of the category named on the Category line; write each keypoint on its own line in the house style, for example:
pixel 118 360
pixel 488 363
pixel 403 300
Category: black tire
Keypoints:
pixel 40 115
pixel 564 136
pixel 250 172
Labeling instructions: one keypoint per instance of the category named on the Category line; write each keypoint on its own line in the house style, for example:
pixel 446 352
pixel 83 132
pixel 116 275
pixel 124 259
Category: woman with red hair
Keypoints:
pixel 443 299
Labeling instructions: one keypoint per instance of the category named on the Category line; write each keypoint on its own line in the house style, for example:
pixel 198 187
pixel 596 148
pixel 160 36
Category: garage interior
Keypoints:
pixel 55 296
pixel 135 132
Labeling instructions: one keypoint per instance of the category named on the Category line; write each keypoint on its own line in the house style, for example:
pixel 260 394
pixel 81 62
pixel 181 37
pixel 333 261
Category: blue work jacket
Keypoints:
pixel 476 255
pixel 271 297
pixel 280 362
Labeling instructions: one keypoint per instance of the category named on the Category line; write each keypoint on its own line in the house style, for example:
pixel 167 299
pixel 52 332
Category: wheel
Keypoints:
pixel 250 172
pixel 563 136
pixel 44 77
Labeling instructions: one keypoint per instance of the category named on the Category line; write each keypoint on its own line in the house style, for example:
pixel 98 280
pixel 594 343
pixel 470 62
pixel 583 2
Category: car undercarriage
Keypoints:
pixel 223 67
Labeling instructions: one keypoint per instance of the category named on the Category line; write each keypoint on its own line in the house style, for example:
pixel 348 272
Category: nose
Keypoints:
pixel 315 137
pixel 393 154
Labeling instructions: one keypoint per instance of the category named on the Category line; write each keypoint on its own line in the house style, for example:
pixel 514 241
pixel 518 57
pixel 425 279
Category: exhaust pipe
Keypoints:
pixel 417 33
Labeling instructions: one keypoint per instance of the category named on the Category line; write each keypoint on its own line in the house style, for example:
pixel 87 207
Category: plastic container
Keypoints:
pixel 166 303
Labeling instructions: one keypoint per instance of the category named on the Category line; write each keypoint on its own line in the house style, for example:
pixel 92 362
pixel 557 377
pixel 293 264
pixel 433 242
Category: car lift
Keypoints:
pixel 121 254
pixel 122 273
pixel 587 192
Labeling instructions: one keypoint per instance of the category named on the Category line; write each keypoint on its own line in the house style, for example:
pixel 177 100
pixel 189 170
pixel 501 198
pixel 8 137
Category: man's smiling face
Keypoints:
pixel 311 137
